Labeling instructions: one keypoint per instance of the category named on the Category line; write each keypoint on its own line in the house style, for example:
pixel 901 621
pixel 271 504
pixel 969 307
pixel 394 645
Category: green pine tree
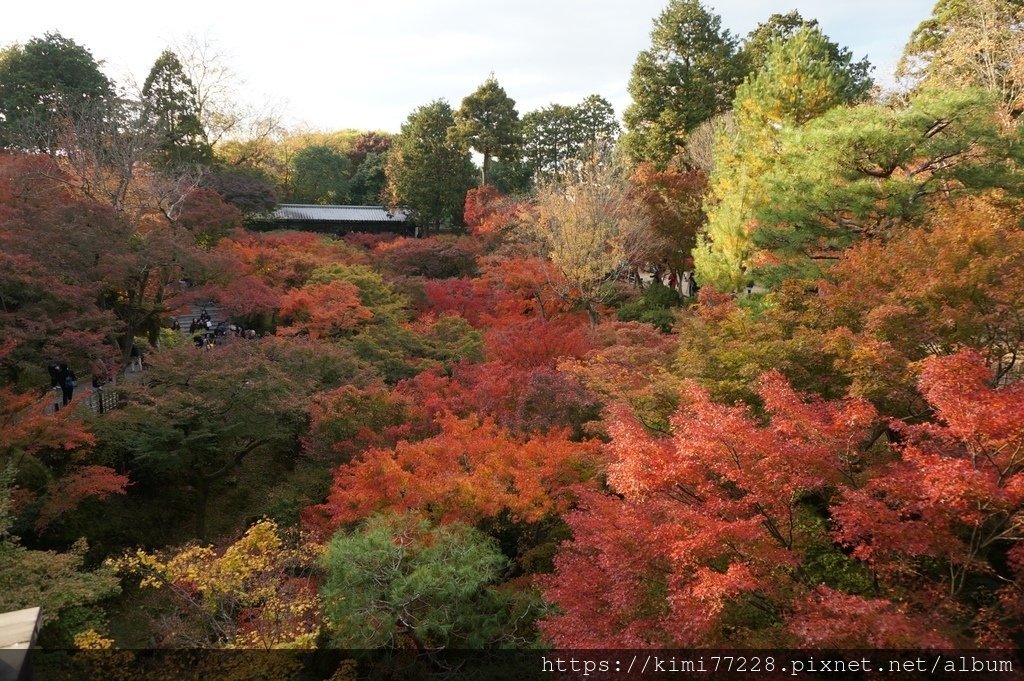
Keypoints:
pixel 170 103
pixel 799 81
pixel 688 75
pixel 41 82
pixel 870 171
pixel 428 170
pixel 397 579
pixel 488 122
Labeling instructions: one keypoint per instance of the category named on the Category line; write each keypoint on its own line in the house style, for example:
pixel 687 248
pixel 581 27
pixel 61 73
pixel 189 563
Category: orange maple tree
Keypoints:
pixel 524 400
pixel 82 482
pixel 287 259
pixel 323 310
pixel 471 470
pixel 717 537
pixel 60 444
pixel 673 201
pixel 536 342
pixel 488 213
pixel 951 507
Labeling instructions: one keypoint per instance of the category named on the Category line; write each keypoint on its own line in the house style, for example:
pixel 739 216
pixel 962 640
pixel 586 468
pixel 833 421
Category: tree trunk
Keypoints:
pixel 126 341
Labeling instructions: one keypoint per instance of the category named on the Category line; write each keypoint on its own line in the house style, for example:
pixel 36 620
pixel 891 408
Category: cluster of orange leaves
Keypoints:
pixel 323 310
pixel 471 470
pixel 713 517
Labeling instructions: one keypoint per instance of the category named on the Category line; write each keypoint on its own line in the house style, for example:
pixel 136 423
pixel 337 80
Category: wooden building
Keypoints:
pixel 336 219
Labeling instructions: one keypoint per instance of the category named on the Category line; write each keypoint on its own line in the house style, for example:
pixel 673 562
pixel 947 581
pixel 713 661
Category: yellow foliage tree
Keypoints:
pixel 257 593
pixel 971 43
pixel 593 230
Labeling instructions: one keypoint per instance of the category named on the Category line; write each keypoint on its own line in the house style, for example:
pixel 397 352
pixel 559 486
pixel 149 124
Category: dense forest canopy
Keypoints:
pixel 746 375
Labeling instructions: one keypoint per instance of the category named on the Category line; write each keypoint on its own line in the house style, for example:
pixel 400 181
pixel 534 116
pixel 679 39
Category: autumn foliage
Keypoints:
pixel 536 342
pixel 208 217
pixel 348 420
pixel 323 309
pixel 255 593
pixel 286 260
pixel 508 436
pixel 673 202
pixel 721 534
pixel 953 498
pixel 52 300
pixel 83 482
pixel 488 213
pixel 471 470
pixel 60 444
pixel 722 491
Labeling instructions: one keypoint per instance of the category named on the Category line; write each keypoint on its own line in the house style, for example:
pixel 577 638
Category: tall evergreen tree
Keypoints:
pixel 549 140
pixel 170 100
pixel 488 122
pixel 428 170
pixel 558 138
pixel 41 81
pixel 758 44
pixel 689 74
pixel 800 80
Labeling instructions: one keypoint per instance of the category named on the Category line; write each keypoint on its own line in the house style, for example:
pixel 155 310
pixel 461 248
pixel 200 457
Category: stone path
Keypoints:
pixel 98 400
pixel 91 398
pixel 216 315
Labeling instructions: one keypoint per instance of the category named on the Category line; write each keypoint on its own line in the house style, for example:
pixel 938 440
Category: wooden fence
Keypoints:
pixel 99 400
pixel 103 399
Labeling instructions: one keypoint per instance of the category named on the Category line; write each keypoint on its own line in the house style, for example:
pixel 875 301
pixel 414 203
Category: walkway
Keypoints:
pixel 102 399
pixel 216 315
pixel 97 399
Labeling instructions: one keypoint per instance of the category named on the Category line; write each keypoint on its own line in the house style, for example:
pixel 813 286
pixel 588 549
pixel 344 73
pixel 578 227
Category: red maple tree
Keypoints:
pixel 471 470
pixel 323 310
pixel 717 537
pixel 951 506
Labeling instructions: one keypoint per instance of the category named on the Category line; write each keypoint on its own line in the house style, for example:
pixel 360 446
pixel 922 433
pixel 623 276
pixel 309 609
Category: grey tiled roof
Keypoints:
pixel 300 212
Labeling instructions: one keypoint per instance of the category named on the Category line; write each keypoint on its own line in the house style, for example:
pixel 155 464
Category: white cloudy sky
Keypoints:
pixel 367 64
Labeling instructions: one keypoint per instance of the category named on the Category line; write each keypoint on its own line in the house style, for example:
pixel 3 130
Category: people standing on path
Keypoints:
pixel 136 358
pixel 68 383
pixel 687 284
pixel 54 369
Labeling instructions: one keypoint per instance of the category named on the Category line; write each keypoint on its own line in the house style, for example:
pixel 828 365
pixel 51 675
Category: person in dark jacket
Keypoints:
pixel 54 369
pixel 68 381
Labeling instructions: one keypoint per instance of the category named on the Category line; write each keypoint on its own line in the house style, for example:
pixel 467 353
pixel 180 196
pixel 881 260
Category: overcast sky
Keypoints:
pixel 367 64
